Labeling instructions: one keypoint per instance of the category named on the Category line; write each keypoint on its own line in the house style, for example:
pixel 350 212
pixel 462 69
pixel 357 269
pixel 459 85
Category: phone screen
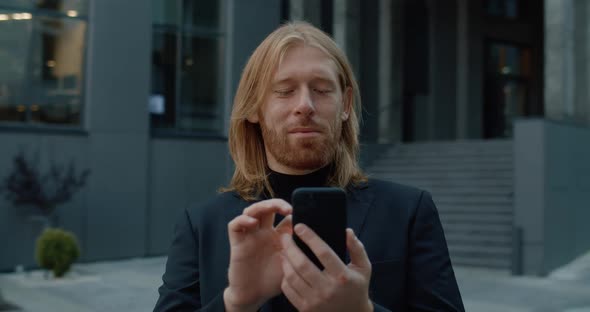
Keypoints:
pixel 323 209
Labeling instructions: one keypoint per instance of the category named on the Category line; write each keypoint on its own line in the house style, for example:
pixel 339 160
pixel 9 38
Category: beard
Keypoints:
pixel 306 153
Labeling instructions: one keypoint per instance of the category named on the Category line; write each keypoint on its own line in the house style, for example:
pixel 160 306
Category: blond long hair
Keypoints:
pixel 246 145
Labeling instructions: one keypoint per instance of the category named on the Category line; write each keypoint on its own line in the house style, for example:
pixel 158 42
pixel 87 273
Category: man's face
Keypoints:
pixel 301 119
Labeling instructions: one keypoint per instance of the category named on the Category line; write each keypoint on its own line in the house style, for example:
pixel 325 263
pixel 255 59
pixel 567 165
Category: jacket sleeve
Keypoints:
pixel 180 290
pixel 431 280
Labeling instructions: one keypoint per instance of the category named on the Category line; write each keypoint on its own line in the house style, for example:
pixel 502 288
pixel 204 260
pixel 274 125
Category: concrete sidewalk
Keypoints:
pixel 131 285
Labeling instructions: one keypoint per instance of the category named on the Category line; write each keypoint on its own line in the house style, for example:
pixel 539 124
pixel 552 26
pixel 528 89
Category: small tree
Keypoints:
pixel 57 250
pixel 26 186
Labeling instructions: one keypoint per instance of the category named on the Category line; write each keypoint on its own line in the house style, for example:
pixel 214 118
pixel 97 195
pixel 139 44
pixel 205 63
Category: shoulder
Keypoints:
pixel 215 208
pixel 382 186
pixel 400 192
pixel 388 195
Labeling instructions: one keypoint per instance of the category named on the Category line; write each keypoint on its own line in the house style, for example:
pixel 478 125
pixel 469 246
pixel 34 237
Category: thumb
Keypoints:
pixel 285 226
pixel 356 249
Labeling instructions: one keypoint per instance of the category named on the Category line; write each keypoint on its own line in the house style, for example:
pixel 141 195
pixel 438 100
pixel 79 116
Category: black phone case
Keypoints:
pixel 323 209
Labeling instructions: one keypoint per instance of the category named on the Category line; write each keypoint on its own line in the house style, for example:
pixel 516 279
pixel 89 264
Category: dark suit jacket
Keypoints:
pixel 398 225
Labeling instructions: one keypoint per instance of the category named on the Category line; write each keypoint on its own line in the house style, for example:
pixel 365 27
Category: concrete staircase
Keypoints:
pixel 471 183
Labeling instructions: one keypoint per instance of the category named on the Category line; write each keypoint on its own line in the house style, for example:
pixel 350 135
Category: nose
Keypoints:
pixel 305 105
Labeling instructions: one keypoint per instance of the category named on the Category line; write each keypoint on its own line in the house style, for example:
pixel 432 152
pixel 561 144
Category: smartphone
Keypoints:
pixel 323 209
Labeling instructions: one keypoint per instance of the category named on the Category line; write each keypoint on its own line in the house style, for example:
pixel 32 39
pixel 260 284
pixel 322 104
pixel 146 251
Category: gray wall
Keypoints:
pixel 181 172
pixel 118 71
pixel 552 183
pixel 567 186
pixel 529 191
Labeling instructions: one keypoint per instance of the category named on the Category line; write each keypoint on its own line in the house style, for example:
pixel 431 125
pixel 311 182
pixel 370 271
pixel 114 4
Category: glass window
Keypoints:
pixel 503 8
pixel 42 61
pixel 187 66
pixel 72 8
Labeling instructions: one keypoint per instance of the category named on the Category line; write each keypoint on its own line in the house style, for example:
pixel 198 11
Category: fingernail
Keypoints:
pixel 299 229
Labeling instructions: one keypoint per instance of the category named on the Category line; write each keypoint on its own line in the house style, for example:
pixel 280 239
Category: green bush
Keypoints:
pixel 56 250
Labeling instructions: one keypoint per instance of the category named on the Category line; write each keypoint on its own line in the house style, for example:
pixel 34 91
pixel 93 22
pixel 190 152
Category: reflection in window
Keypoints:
pixel 509 60
pixel 187 65
pixel 42 61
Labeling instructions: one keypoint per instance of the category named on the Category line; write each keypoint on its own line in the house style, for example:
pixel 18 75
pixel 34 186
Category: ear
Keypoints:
pixel 346 103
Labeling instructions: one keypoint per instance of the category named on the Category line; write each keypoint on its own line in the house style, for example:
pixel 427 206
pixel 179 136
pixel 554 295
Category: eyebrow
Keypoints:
pixel 317 76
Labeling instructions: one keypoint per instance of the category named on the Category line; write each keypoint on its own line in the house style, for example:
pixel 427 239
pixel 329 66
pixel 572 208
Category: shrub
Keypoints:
pixel 56 250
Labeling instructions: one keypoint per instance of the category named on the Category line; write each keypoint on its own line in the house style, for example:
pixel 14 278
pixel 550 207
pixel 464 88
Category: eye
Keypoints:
pixel 283 93
pixel 322 91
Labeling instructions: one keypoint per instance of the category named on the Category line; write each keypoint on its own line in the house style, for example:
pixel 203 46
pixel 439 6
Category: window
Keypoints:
pixel 42 49
pixel 187 66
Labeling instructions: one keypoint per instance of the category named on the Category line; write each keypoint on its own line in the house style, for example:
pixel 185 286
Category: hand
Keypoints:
pixel 338 287
pixel 255 271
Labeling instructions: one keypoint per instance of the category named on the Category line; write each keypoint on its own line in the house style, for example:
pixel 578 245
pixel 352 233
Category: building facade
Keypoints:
pixel 140 93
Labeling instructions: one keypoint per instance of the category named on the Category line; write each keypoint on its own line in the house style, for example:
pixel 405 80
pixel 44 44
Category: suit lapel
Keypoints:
pixel 359 199
pixel 235 210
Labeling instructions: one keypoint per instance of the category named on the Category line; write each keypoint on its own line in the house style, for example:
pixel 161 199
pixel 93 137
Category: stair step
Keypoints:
pixel 450 219
pixel 472 200
pixel 438 185
pixel 472 192
pixel 478 239
pixel 493 251
pixel 487 262
pixel 447 153
pixel 459 143
pixel 474 212
pixel 435 176
pixel 438 169
pixel 396 160
pixel 445 208
pixel 496 143
pixel 481 229
pixel 448 156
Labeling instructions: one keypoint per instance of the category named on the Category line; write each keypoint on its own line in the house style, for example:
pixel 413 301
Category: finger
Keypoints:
pixel 356 249
pixel 285 226
pixel 292 295
pixel 308 271
pixel 240 226
pixel 302 288
pixel 331 262
pixel 266 209
pixel 274 205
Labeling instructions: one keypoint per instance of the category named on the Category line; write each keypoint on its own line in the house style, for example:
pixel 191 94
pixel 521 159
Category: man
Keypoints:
pixel 294 123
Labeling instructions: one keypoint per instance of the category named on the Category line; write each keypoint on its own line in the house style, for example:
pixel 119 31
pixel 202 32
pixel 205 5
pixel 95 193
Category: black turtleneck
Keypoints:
pixel 283 186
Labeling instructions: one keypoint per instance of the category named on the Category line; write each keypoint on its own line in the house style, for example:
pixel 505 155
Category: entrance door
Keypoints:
pixel 506 87
pixel 513 63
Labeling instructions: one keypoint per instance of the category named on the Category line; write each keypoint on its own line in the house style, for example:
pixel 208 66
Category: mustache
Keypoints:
pixel 305 122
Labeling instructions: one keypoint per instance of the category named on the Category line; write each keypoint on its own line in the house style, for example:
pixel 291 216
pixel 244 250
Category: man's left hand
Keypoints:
pixel 338 287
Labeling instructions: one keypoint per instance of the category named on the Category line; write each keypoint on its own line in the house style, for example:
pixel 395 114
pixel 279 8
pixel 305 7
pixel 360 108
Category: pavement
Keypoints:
pixel 131 285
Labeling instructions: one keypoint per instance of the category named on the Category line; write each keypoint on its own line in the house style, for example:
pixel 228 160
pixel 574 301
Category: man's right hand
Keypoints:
pixel 255 271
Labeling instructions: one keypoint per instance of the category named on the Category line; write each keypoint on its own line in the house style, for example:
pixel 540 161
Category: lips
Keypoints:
pixel 304 130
